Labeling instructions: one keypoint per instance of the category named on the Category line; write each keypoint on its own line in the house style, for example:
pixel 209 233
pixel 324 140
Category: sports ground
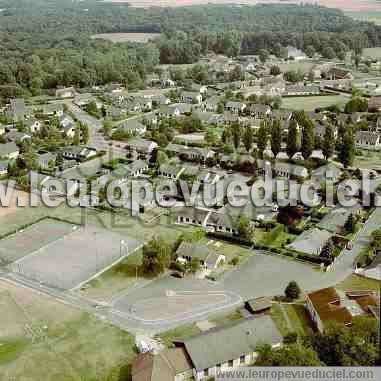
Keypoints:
pixel 63 255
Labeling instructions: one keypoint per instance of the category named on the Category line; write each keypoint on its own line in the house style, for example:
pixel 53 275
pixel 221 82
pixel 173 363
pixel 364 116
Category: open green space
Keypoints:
pixel 312 103
pixel 51 341
pixel 178 333
pixel 368 160
pixel 356 283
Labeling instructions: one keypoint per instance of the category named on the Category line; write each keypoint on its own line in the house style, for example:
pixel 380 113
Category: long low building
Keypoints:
pixel 230 346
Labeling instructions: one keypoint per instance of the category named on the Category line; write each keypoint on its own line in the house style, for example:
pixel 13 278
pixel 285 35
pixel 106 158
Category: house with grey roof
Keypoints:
pixel 302 90
pixel 143 148
pixel 78 153
pixel 133 126
pixel 230 346
pixel 190 153
pixel 211 104
pixel 311 241
pixel 67 92
pixel 170 171
pixel 260 111
pixel 368 139
pixel 336 218
pixel 17 111
pixel 9 150
pixel 295 54
pixel 191 216
pixel 289 170
pixel 235 107
pixel 321 128
pixel 191 97
pixel 324 172
pixel 47 160
pixel 209 259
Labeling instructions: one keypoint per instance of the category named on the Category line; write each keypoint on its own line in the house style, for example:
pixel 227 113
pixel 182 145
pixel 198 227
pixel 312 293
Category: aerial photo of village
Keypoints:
pixel 189 188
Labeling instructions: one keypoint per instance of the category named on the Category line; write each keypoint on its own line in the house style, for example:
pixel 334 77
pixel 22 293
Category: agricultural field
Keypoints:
pixel 127 37
pixel 72 345
pixel 374 16
pixel 312 103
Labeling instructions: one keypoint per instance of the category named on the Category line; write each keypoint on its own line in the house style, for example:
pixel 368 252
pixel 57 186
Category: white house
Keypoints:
pixel 368 139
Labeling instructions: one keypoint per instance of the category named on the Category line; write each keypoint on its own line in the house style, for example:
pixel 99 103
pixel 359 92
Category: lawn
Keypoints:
pixel 178 333
pixel 313 102
pixel 298 318
pixel 277 237
pixel 368 159
pixel 55 342
pixel 356 283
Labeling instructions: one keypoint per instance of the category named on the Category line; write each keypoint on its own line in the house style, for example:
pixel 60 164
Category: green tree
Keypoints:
pixel 245 228
pixel 328 250
pixel 346 149
pixel 236 132
pixel 262 138
pixel 194 265
pixel 328 142
pixel 156 256
pixel 308 140
pixel 292 139
pixel 85 133
pixel 287 355
pixel 275 70
pixel 292 290
pixel 276 138
pixel 350 224
pixel 248 138
pixel 77 136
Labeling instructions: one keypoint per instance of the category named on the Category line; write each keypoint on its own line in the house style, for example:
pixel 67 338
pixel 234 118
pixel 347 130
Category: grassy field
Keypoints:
pixel 178 333
pixel 312 103
pixel 374 16
pixel 127 37
pixel 356 283
pixel 41 339
pixel 297 316
pixel 373 52
pixel 368 159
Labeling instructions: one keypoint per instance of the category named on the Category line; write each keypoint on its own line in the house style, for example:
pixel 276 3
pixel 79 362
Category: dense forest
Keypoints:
pixel 46 43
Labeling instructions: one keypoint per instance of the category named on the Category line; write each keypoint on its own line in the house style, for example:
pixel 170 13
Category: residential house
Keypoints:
pixel 320 131
pixel 325 306
pixel 329 171
pixel 9 150
pixel 235 107
pixel 260 111
pixel 223 223
pixel 171 364
pixel 202 89
pixel 334 221
pixel 134 169
pixel 2 129
pixel 142 148
pixel 374 104
pixel 295 54
pixel 78 153
pixel 281 115
pixel 191 97
pixel 52 109
pixel 263 168
pixel 368 139
pixel 301 90
pixel 209 259
pixel 33 125
pixel 82 100
pixel 311 241
pixel 4 167
pixel 229 346
pixel 190 153
pixel 191 216
pixel 17 111
pixel 69 130
pixel 337 73
pixel 170 171
pixel 169 111
pixel 211 104
pixel 290 170
pixel 68 92
pixel 17 136
pixel 47 160
pixel 159 100
pixel 133 126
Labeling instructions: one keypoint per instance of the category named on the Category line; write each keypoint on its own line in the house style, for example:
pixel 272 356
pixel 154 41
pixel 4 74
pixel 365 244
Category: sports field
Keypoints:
pixel 33 238
pixel 75 258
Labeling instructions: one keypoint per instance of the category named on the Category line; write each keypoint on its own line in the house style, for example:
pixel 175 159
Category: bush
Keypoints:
pixel 292 290
pixel 234 261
